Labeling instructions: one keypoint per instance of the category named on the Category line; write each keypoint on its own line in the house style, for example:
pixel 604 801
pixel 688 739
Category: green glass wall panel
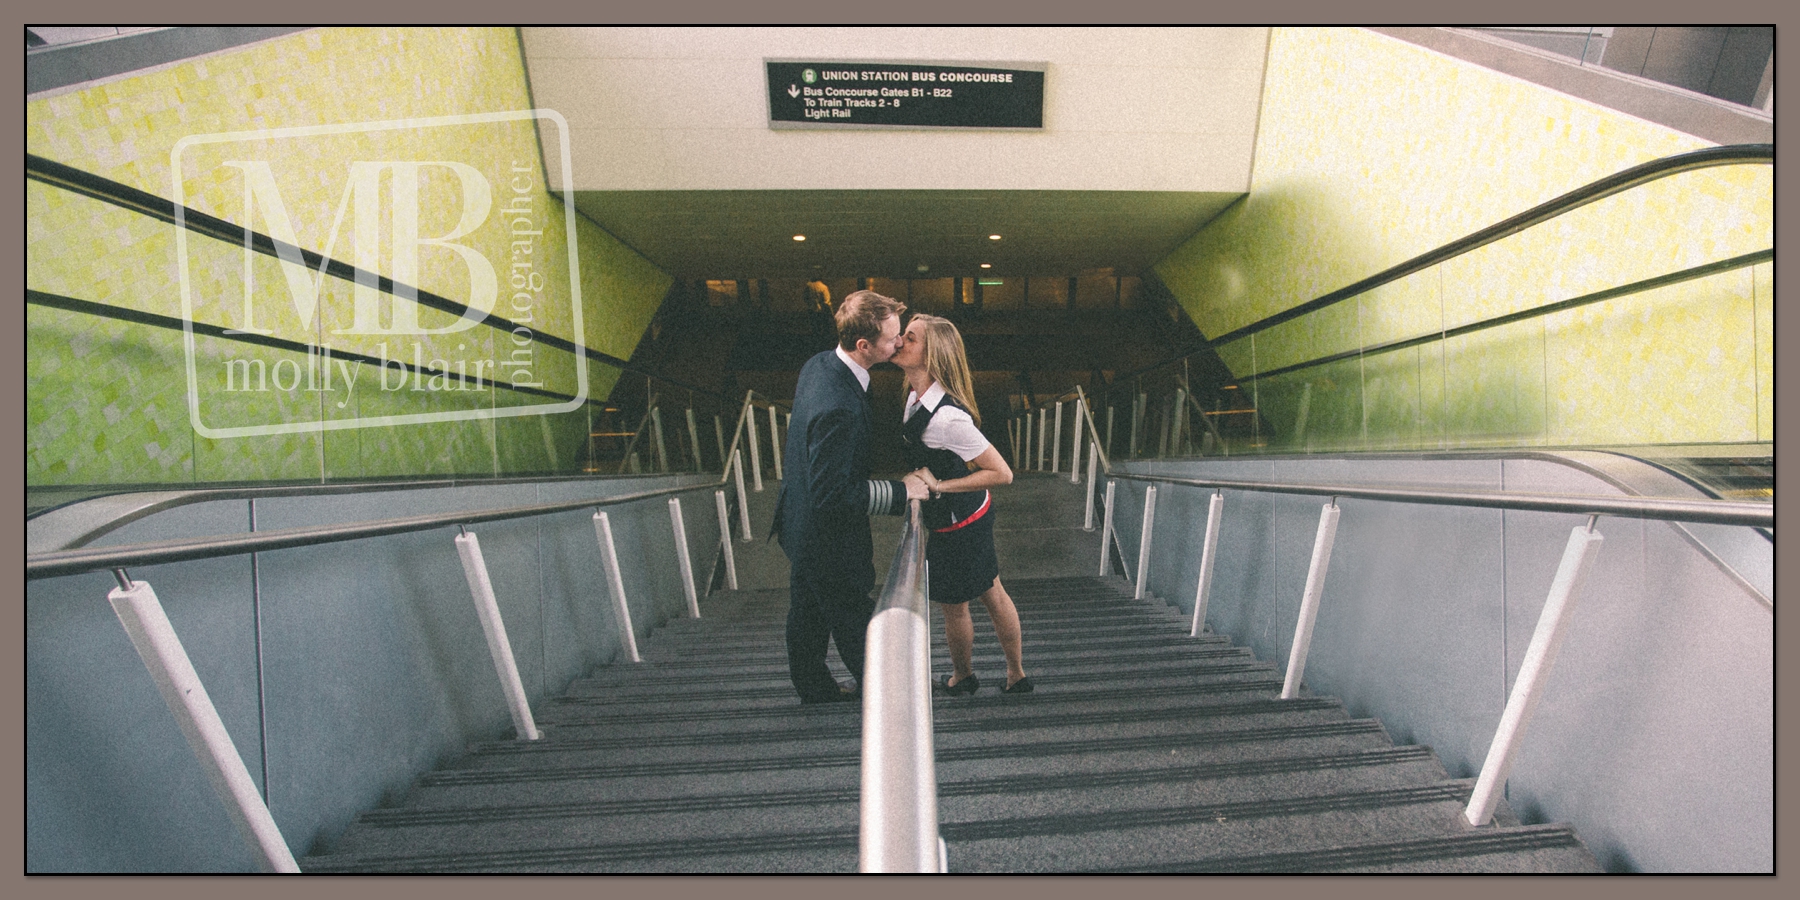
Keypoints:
pixel 1494 382
pixel 128 130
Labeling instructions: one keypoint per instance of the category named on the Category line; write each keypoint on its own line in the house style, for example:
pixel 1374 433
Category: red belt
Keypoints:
pixel 985 503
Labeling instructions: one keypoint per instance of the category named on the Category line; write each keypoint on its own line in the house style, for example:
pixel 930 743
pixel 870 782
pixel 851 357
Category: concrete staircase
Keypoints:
pixel 1142 750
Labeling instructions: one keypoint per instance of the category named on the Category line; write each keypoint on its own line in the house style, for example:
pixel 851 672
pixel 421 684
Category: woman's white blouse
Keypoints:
pixel 950 428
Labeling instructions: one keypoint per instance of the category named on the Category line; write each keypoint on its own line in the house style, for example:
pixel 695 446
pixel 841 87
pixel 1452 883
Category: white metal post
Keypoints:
pixel 1162 446
pixel 1552 627
pixel 719 435
pixel 609 556
pixel 725 541
pixel 1178 440
pixel 755 448
pixel 1214 511
pixel 775 440
pixel 662 449
pixel 1309 601
pixel 1043 429
pixel 681 557
pixel 487 608
pixel 1137 418
pixel 1056 441
pixel 150 632
pixel 1143 566
pixel 737 468
pixel 1106 531
pixel 694 440
pixel 1025 427
pixel 1075 447
pixel 1087 518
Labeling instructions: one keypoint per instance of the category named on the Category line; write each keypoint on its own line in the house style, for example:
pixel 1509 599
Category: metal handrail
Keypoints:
pixel 1715 512
pixel 98 559
pixel 899 831
pixel 1618 182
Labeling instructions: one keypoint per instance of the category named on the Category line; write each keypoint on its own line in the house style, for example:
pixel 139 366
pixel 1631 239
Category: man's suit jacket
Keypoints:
pixel 822 515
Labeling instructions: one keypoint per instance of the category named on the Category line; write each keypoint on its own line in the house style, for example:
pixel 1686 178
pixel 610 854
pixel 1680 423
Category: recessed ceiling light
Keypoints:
pixel 799 237
pixel 987 265
pixel 922 267
pixel 993 237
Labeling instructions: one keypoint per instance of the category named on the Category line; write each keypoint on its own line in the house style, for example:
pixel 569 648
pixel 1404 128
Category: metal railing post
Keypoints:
pixel 682 558
pixel 1043 428
pixel 1109 424
pixel 1075 446
pixel 1025 427
pixel 725 541
pixel 1056 441
pixel 775 440
pixel 1178 440
pixel 148 627
pixel 662 448
pixel 737 468
pixel 1087 518
pixel 694 440
pixel 487 608
pixel 755 448
pixel 609 556
pixel 1309 601
pixel 719 435
pixel 1214 511
pixel 1137 420
pixel 1143 565
pixel 1162 444
pixel 1552 627
pixel 1106 531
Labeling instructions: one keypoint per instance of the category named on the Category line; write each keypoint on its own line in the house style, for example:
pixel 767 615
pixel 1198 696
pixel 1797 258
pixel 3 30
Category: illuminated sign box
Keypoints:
pixel 885 94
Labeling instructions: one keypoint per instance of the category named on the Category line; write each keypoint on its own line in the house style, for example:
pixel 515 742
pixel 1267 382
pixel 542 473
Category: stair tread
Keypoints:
pixel 1143 749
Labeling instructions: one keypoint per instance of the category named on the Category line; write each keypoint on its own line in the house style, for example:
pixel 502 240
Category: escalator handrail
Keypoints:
pixel 1717 512
pixel 54 563
pixel 1618 182
pixel 144 203
pixel 96 559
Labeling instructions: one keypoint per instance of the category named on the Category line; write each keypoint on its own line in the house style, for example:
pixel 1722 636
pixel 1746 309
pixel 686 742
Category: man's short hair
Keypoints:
pixel 860 315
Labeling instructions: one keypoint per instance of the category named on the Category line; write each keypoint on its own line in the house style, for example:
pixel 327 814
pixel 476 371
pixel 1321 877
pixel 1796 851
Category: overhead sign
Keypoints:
pixel 849 94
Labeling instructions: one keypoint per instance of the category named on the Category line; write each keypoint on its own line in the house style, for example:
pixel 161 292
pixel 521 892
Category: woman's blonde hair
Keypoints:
pixel 946 362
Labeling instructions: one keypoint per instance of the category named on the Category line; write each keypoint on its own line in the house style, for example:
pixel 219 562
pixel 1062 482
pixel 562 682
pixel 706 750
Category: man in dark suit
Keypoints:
pixel 822 515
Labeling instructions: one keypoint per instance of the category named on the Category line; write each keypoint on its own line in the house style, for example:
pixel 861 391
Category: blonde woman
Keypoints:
pixel 957 464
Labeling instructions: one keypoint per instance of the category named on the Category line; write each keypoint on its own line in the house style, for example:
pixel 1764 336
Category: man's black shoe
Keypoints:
pixel 844 695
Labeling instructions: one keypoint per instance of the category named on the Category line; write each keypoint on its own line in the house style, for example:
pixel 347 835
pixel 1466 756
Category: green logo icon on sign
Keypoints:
pixel 809 76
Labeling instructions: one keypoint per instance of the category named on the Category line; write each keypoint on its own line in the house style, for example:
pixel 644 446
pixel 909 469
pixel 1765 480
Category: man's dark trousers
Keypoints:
pixel 822 521
pixel 820 611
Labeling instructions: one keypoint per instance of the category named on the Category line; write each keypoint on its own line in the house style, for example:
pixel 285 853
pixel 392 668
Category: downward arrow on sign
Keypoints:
pixel 793 91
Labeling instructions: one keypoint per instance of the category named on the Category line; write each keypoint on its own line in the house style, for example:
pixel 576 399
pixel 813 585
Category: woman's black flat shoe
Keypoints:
pixel 966 686
pixel 1022 686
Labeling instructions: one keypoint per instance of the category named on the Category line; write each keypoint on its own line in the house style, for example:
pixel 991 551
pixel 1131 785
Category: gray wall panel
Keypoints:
pixel 1655 735
pixel 375 666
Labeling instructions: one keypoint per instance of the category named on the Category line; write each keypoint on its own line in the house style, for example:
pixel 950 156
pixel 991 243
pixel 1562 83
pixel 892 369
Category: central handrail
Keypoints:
pixel 899 830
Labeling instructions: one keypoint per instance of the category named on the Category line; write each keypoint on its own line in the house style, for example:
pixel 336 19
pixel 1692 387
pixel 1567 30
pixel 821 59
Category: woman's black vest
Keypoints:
pixel 946 509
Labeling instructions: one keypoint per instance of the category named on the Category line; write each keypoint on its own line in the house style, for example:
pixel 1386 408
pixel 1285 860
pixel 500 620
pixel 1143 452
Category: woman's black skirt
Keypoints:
pixel 962 562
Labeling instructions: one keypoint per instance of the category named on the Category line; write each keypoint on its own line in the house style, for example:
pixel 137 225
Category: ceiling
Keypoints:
pixel 892 233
